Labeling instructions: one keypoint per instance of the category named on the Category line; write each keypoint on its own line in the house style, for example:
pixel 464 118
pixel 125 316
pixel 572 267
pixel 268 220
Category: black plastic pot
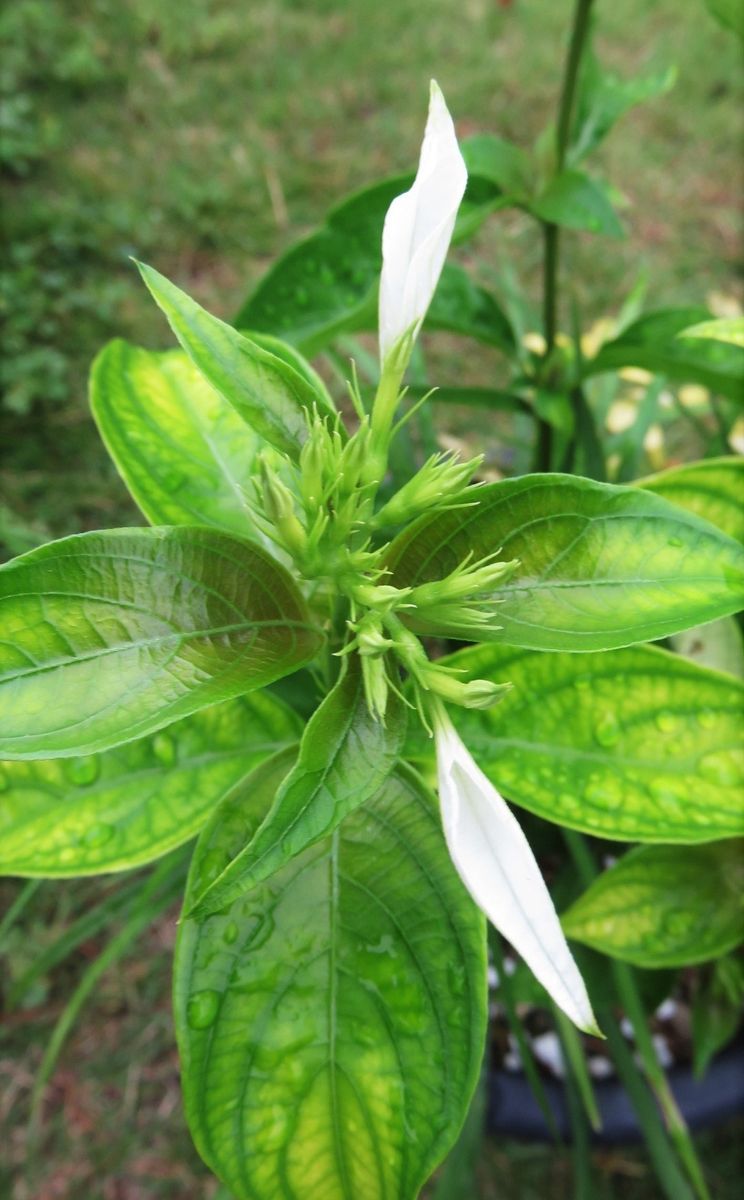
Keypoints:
pixel 719 1095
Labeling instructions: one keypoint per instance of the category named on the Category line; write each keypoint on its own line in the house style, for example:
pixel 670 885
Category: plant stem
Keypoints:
pixel 629 997
pixel 579 30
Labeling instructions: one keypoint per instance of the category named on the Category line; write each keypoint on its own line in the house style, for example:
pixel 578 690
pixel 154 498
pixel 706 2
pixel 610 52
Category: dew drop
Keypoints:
pixel 720 768
pixel 172 480
pixel 164 749
pixel 98 834
pixel 666 722
pixel 676 541
pixel 201 1009
pixel 607 731
pixel 67 854
pixel 666 797
pixel 568 801
pixel 230 933
pixel 606 793
pixel 82 771
pixel 706 718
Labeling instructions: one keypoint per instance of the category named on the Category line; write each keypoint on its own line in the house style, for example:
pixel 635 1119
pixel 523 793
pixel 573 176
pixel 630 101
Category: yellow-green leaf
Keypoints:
pixel 712 489
pixel 106 637
pixel 182 450
pixel 124 807
pixel 665 906
pixel 331 1023
pixel 636 744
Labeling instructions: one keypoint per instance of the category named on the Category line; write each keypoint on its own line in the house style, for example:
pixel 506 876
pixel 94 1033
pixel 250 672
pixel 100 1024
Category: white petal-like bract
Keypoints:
pixel 495 862
pixel 418 229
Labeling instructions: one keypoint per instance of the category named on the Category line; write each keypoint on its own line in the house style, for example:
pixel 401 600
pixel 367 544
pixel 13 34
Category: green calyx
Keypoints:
pixel 320 512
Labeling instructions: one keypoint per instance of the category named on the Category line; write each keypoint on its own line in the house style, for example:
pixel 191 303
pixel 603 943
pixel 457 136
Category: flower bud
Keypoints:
pixel 440 479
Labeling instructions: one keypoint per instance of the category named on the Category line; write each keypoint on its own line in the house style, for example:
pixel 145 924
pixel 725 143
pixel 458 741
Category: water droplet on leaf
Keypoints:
pixel 721 768
pixel 607 731
pixel 82 771
pixel 98 834
pixel 202 1008
pixel 667 722
pixel 230 933
pixel 164 749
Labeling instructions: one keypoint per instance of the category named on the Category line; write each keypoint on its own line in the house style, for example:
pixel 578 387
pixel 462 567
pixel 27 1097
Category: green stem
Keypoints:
pixel 26 894
pixel 629 997
pixel 579 31
pixel 580 1150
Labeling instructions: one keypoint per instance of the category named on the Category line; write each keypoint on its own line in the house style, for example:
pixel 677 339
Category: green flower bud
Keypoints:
pixel 467 581
pixel 477 693
pixel 441 478
pixel 279 507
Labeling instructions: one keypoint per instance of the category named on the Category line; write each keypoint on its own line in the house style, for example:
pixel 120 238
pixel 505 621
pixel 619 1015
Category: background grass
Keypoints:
pixel 205 136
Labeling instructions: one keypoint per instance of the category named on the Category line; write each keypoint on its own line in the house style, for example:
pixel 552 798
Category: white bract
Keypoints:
pixel 494 860
pixel 418 229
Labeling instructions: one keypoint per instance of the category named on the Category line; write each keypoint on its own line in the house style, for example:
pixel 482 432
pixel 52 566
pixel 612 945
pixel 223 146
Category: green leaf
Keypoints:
pixel 327 284
pixel 636 744
pixel 652 342
pixel 664 906
pixel 712 489
pixel 331 1023
pixel 127 806
pixel 729 14
pixel 267 391
pixel 344 758
pixel 725 329
pixel 182 450
pixel 461 306
pixel 601 566
pixel 603 98
pixel 106 637
pixel 500 162
pixel 716 1010
pixel 576 201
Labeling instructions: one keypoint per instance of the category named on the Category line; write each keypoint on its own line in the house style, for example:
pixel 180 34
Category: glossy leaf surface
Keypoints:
pixel 722 329
pixel 327 284
pixel 110 636
pixel 331 1023
pixel 651 342
pixel 636 744
pixel 601 566
pixel 127 806
pixel 664 906
pixel 576 201
pixel 344 758
pixel 712 489
pixel 270 394
pixel 603 98
pixel 182 450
